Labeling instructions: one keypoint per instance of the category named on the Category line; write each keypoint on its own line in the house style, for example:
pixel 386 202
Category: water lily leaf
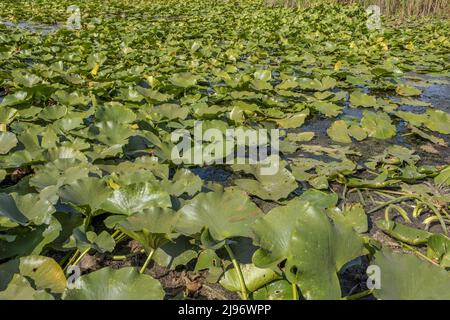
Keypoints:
pixel 273 233
pixel 25 79
pixel 254 278
pixel 407 91
pixel 300 137
pixel 338 131
pixel 439 249
pixel 70 99
pixel 443 178
pixel 329 109
pixel 261 85
pixel 317 251
pixel 357 132
pixel 134 198
pixel 226 214
pixel 319 198
pixel 8 141
pixel 102 242
pixel 184 80
pixel 407 277
pixel 184 181
pixel 34 208
pixel 8 208
pixel 276 290
pixel 427 136
pixel 287 84
pixel 353 215
pixel 263 75
pixel 20 289
pixel 438 120
pixel 178 252
pixel 414 119
pixel 112 133
pixel 152 227
pixel 378 125
pixel 130 94
pixel 359 99
pixel 110 284
pixel 172 111
pixel 88 191
pixel 45 273
pixel 403 233
pixel 115 112
pixel 292 121
pixel 30 241
pixel 16 98
pixel 269 187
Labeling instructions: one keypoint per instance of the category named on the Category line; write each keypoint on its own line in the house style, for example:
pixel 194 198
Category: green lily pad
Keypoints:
pixel 254 278
pixel 45 273
pixel 317 251
pixel 110 284
pixel 20 289
pixel 407 277
pixel 8 141
pixel 226 214
pixel 184 80
pixel 276 290
pixel 378 125
pixel 88 191
pixel 134 198
pixel 403 233
pixel 359 99
pixel 407 91
pixel 443 178
pixel 273 233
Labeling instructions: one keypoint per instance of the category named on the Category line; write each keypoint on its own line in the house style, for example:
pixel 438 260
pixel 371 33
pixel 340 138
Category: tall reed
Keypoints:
pixel 394 8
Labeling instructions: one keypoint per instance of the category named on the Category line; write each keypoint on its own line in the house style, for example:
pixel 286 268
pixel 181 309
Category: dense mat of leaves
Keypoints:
pixel 86 118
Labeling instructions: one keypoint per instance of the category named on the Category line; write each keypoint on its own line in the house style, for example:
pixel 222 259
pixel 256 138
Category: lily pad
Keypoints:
pixel 110 284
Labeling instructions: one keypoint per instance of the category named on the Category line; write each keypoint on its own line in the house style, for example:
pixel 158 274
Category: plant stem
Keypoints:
pixel 127 256
pixel 147 261
pixel 381 206
pixel 244 290
pixel 437 213
pixel 72 259
pixel 87 221
pixel 294 292
pixel 81 256
pixel 359 295
pixel 418 253
pixel 114 235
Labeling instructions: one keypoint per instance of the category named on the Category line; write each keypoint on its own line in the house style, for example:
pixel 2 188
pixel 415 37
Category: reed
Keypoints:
pixel 393 8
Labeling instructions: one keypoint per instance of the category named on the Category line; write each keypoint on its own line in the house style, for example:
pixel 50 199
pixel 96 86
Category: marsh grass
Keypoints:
pixel 393 8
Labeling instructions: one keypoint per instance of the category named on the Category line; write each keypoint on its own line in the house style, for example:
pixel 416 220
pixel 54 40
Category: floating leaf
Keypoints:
pixel 110 284
pixel 407 277
pixel 226 214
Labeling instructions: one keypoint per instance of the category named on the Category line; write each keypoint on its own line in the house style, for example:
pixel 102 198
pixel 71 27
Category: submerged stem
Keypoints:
pixel 147 261
pixel 359 295
pixel 244 290
pixel 72 259
pixel 81 256
pixel 294 292
pixel 418 253
pixel 384 204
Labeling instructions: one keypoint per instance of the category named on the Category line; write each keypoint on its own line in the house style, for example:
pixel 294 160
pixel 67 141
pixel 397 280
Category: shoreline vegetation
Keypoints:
pixel 400 9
